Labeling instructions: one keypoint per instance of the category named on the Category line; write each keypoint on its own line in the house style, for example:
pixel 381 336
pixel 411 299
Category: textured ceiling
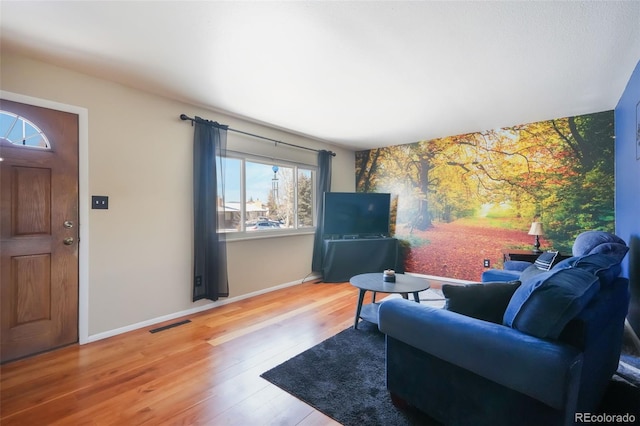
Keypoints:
pixel 358 74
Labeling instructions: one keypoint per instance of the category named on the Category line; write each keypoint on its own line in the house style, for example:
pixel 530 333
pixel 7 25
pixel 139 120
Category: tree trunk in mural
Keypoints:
pixel 423 216
pixel 366 167
pixel 422 221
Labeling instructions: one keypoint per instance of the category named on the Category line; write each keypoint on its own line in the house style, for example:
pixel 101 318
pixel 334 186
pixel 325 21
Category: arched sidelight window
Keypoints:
pixel 22 132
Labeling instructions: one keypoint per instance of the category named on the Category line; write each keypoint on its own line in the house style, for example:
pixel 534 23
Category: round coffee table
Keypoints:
pixel 404 285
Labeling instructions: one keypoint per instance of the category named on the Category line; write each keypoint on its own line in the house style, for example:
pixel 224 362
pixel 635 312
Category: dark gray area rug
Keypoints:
pixel 344 377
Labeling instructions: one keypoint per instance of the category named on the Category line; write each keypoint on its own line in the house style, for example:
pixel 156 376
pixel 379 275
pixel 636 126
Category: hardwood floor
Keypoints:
pixel 203 372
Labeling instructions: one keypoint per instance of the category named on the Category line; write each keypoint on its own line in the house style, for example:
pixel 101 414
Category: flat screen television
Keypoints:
pixel 356 214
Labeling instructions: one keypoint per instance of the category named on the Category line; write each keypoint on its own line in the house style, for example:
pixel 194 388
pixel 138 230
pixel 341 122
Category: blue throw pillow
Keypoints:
pixel 530 272
pixel 545 303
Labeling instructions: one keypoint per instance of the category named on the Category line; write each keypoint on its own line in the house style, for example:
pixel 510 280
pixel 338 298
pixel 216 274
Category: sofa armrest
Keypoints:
pixel 545 370
pixel 499 275
pixel 516 265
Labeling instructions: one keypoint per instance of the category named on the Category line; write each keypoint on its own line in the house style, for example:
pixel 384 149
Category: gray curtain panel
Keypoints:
pixel 323 185
pixel 209 251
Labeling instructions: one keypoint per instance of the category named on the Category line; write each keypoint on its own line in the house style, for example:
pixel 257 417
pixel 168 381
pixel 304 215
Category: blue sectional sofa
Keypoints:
pixel 589 242
pixel 536 352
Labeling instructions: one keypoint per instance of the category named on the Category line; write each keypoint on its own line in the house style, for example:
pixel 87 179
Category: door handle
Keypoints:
pixel 68 224
pixel 68 241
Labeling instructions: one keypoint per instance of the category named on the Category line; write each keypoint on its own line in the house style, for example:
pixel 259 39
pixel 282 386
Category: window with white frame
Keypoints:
pixel 264 195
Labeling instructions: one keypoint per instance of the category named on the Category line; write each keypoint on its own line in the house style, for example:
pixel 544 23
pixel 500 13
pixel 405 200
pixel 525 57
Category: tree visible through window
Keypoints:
pixel 305 198
pixel 256 195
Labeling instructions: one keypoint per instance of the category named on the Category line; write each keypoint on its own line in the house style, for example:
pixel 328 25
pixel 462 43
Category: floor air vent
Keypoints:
pixel 166 327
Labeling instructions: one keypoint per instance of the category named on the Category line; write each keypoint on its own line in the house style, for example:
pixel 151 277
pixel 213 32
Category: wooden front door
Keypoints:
pixel 38 231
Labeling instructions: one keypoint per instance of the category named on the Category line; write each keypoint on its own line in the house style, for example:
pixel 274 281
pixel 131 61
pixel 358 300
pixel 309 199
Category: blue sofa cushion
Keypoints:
pixel 486 301
pixel 530 272
pixel 543 305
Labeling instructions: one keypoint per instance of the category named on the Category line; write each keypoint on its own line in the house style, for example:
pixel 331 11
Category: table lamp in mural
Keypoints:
pixel 536 229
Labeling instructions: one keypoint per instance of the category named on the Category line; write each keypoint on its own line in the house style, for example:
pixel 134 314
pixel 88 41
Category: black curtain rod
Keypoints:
pixel 185 117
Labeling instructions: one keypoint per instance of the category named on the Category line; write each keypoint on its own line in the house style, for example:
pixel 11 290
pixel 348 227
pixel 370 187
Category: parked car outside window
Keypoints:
pixel 265 224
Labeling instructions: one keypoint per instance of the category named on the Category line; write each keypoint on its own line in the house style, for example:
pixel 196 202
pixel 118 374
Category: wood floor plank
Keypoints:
pixel 203 372
pixel 316 418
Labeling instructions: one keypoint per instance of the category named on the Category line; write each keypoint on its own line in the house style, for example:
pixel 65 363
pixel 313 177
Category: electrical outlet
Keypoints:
pixel 487 263
pixel 99 202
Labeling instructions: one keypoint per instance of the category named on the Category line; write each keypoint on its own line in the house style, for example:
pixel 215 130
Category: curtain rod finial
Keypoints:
pixel 185 117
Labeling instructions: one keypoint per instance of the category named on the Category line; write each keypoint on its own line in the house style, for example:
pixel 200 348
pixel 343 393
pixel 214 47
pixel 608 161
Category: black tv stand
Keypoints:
pixel 348 257
pixel 350 237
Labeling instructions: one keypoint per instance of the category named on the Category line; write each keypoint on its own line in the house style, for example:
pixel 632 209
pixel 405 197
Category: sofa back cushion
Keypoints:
pixel 545 303
pixel 587 327
pixel 607 268
pixel 565 263
pixel 593 242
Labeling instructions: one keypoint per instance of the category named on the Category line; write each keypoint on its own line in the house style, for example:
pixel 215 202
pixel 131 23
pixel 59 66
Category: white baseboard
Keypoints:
pixel 437 278
pixel 197 309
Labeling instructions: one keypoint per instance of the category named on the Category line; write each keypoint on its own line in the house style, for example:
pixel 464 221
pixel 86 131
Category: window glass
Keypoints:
pixel 305 198
pixel 259 195
pixel 267 199
pixel 20 131
pixel 229 173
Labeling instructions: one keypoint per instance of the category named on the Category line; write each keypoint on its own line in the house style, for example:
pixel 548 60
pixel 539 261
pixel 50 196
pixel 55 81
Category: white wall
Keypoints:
pixel 140 153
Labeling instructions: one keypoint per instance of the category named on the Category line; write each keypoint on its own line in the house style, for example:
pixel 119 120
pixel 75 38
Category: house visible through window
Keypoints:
pixel 260 195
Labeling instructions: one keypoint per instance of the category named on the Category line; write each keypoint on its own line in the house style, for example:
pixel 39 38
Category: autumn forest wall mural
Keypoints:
pixel 461 199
